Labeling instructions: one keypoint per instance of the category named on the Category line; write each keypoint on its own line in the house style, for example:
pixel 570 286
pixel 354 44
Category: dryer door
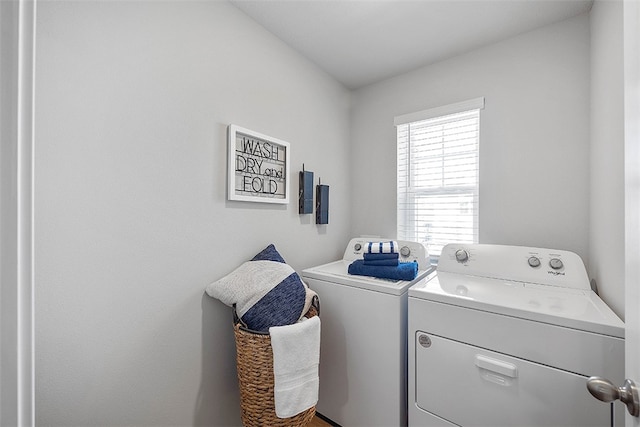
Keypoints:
pixel 468 386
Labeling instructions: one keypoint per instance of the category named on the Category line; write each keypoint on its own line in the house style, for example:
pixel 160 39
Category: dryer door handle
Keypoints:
pixel 498 366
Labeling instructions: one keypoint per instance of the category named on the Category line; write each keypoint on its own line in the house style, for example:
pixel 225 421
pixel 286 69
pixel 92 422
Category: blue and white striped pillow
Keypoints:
pixel 266 291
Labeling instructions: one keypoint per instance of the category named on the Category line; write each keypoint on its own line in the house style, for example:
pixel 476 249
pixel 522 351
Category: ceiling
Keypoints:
pixel 360 42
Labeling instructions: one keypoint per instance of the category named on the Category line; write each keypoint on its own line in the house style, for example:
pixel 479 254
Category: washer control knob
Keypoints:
pixel 534 261
pixel 555 263
pixel 462 255
pixel 405 251
pixel 357 247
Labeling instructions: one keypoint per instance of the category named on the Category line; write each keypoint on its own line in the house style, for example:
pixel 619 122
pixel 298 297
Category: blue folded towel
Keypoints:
pixel 382 247
pixel 378 257
pixel 390 260
pixel 383 263
pixel 404 270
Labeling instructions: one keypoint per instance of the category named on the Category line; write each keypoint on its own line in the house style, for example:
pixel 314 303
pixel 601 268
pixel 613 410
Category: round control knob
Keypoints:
pixel 405 251
pixel 555 263
pixel 462 255
pixel 534 261
pixel 357 247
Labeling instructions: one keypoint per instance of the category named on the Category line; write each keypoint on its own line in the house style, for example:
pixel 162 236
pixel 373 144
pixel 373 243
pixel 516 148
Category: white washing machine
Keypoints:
pixel 363 347
pixel 508 336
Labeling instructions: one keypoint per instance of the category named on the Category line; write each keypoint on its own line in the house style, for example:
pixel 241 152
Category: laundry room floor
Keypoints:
pixel 318 422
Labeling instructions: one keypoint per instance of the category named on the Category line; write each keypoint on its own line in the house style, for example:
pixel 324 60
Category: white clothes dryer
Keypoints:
pixel 363 350
pixel 508 336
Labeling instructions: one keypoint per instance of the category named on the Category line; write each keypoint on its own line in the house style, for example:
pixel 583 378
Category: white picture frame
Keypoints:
pixel 257 166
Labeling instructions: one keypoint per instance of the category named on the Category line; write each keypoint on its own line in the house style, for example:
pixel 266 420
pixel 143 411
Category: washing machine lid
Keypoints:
pixel 563 306
pixel 337 272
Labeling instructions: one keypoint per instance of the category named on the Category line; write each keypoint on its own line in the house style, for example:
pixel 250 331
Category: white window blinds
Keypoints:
pixel 438 175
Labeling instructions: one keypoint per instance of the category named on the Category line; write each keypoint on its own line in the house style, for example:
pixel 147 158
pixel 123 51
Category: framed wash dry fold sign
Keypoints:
pixel 258 167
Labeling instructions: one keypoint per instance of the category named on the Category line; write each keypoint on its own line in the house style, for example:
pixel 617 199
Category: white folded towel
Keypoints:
pixel 389 247
pixel 296 357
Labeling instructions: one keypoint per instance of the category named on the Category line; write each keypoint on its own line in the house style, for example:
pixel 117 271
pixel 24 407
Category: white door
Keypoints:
pixel 631 16
pixel 631 40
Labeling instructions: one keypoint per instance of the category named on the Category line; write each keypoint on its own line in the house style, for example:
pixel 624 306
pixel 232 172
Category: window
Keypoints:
pixel 438 175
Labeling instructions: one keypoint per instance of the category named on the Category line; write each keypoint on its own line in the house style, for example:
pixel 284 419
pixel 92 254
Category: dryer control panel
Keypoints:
pixel 517 263
pixel 408 251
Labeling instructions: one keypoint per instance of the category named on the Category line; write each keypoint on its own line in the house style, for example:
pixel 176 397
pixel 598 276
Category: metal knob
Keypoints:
pixel 405 251
pixel 556 263
pixel 534 261
pixel 606 391
pixel 462 255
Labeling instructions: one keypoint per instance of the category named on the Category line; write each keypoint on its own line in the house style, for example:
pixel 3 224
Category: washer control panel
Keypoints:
pixel 516 263
pixel 408 251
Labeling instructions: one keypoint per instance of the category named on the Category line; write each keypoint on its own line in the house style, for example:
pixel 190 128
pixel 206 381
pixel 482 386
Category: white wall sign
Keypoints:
pixel 258 167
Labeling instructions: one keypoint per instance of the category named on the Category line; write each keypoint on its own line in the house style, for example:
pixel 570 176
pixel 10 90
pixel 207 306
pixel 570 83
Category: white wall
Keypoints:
pixel 132 106
pixel 534 146
pixel 606 239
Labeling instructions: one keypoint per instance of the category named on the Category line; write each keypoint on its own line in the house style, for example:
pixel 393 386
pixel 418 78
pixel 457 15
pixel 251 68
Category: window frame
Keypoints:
pixel 410 193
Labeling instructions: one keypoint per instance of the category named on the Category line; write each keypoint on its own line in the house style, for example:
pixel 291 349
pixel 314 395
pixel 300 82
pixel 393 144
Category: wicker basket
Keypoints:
pixel 254 358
